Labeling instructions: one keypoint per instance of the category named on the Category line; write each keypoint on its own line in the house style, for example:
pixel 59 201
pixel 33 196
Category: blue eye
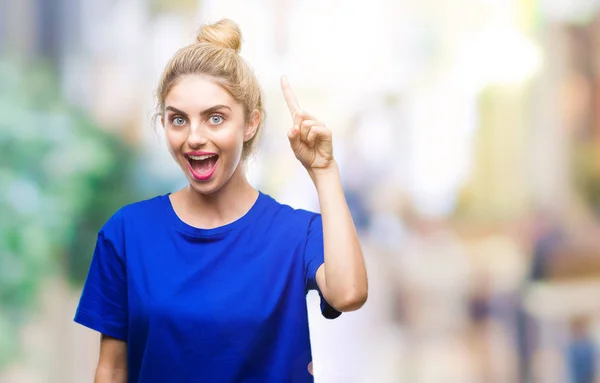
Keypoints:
pixel 178 121
pixel 216 119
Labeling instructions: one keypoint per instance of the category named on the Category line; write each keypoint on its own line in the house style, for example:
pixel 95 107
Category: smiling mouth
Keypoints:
pixel 202 167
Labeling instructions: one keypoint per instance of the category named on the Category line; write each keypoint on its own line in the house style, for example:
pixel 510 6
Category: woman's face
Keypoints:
pixel 206 130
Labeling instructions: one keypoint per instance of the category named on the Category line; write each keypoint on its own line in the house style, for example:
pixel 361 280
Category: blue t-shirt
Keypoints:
pixel 207 305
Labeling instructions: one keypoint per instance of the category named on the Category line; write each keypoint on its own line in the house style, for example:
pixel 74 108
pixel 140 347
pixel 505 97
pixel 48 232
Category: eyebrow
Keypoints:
pixel 210 110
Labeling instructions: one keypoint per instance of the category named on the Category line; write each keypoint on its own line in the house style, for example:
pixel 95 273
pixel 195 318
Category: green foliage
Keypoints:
pixel 586 170
pixel 61 177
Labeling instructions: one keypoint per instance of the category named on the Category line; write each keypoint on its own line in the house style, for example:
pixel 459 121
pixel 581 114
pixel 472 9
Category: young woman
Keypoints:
pixel 209 283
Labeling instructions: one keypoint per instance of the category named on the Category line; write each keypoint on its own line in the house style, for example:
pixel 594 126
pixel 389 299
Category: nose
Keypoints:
pixel 197 136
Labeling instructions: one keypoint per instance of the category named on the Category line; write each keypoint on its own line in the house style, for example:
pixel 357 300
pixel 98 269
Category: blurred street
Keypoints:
pixel 468 137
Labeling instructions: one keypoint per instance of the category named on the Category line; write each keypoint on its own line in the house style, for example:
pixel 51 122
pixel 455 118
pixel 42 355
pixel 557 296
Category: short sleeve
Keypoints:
pixel 313 259
pixel 103 303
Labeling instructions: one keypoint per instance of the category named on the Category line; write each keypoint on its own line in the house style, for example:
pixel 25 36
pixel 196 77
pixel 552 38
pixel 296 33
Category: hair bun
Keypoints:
pixel 224 33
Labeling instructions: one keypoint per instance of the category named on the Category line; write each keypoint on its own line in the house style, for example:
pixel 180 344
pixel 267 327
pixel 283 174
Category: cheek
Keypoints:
pixel 233 139
pixel 174 141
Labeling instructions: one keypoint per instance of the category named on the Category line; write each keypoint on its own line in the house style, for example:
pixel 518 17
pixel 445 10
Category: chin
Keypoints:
pixel 203 188
pixel 208 187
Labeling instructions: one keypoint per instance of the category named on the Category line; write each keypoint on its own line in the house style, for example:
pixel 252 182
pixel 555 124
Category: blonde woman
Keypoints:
pixel 209 283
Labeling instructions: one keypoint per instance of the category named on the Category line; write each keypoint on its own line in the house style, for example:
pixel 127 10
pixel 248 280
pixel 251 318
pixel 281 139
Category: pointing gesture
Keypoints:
pixel 309 138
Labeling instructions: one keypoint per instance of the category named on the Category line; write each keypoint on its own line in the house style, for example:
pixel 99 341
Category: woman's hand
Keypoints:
pixel 309 138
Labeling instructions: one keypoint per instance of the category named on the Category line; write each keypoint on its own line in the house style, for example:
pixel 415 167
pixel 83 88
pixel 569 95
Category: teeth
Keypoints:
pixel 200 158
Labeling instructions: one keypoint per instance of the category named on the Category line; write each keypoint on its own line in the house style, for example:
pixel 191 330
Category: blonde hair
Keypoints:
pixel 216 54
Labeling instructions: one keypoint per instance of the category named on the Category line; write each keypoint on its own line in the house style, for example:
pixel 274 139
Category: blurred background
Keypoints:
pixel 467 131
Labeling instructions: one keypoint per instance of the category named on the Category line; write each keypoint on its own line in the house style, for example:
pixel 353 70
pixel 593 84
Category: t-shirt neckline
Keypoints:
pixel 250 216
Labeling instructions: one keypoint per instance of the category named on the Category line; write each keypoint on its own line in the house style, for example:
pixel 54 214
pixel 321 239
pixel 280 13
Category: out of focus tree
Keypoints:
pixel 587 174
pixel 61 177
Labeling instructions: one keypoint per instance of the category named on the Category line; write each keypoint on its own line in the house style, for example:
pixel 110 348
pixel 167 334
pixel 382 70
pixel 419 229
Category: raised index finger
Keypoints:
pixel 290 99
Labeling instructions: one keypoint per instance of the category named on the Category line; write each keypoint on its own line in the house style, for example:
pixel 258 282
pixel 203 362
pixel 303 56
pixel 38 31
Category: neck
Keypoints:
pixel 228 204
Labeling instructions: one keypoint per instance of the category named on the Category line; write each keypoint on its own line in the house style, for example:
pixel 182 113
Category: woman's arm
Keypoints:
pixel 342 278
pixel 112 364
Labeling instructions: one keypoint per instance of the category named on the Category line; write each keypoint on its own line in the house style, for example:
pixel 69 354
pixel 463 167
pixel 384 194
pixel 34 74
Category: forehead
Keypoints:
pixel 198 92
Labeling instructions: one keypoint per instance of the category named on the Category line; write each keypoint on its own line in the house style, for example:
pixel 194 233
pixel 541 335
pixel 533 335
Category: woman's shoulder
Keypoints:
pixel 139 212
pixel 143 206
pixel 289 210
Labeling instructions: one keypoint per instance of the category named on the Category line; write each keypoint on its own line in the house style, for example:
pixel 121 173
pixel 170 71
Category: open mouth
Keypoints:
pixel 203 166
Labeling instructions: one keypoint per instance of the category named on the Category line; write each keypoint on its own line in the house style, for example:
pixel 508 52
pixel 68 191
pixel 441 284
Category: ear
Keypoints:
pixel 252 125
pixel 162 120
